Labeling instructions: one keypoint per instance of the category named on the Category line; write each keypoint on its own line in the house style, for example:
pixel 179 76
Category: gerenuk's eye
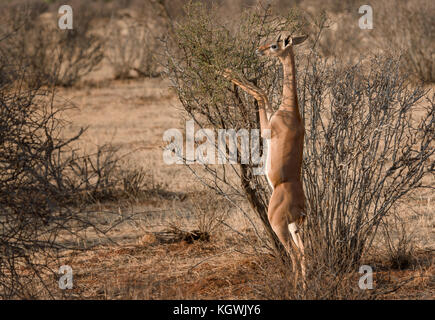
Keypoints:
pixel 274 47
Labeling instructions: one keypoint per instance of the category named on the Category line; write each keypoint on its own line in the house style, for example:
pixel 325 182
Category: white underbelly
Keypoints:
pixel 268 163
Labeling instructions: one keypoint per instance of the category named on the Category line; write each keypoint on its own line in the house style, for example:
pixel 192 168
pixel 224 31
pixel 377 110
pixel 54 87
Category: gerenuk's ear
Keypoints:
pixel 287 41
pixel 299 40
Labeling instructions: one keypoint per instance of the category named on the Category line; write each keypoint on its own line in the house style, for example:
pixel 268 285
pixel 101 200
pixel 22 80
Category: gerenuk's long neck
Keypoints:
pixel 289 92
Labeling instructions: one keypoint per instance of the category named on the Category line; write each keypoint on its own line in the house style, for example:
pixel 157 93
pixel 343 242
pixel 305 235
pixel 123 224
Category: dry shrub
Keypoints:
pixel 133 35
pixel 398 26
pixel 408 26
pixel 208 212
pixel 200 218
pixel 51 55
pixel 341 37
pixel 333 6
pixel 21 42
pixel 131 48
pixel 32 190
pixel 136 184
pixel 44 182
pixel 106 176
pixel 40 199
pixel 45 189
pixel 399 242
pixel 93 177
pixel 363 150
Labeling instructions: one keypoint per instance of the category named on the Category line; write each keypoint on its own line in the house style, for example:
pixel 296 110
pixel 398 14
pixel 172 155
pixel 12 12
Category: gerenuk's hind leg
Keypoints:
pixel 294 231
pixel 284 236
pixel 279 222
